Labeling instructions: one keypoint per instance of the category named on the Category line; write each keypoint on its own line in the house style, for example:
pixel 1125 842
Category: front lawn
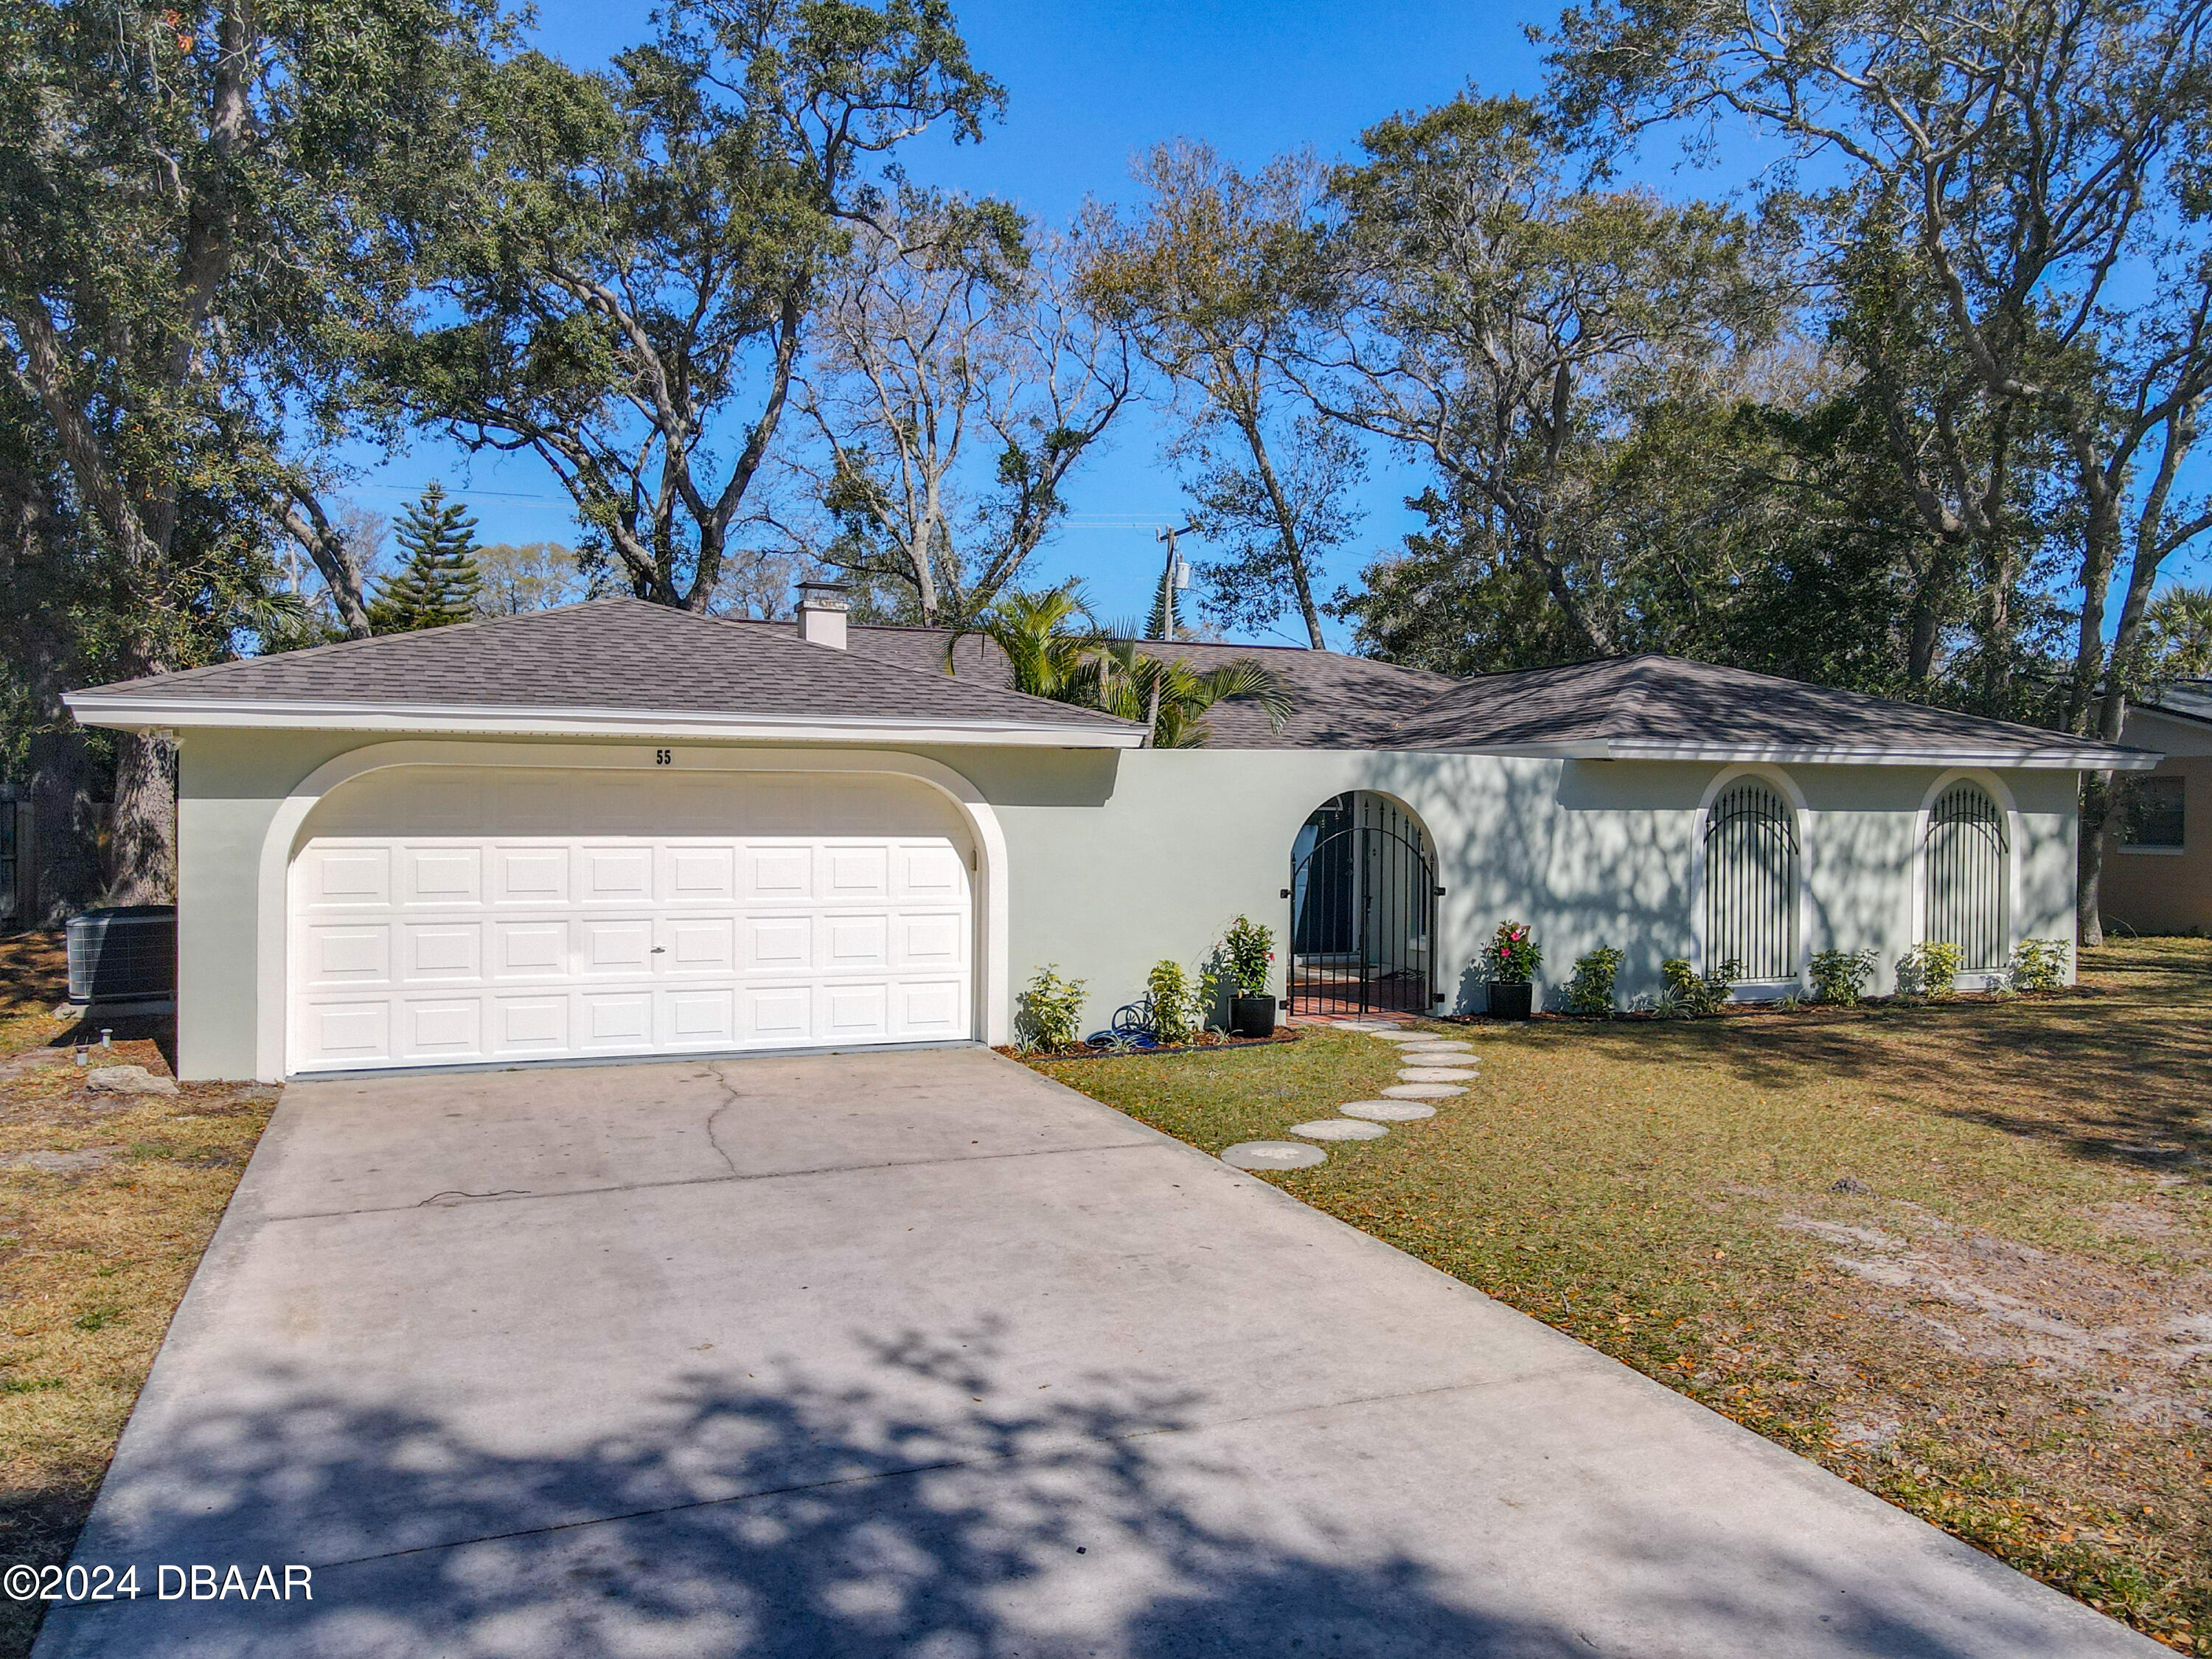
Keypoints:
pixel 107 1202
pixel 1961 1254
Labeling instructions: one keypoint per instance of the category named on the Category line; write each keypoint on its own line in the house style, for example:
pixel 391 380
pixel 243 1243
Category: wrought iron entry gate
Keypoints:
pixel 1363 914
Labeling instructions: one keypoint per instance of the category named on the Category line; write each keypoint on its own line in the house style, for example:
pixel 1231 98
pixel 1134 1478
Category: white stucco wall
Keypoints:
pixel 1115 859
pixel 1590 853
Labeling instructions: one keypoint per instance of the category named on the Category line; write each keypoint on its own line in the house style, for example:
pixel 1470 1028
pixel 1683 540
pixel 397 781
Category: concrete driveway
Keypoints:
pixel 920 1354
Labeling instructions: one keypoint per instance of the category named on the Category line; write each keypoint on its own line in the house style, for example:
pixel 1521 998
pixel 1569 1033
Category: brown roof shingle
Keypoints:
pixel 1338 701
pixel 1645 703
pixel 624 654
pixel 617 654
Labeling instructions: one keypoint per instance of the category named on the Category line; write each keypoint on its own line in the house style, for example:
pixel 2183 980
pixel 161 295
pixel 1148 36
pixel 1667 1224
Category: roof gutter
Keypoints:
pixel 140 713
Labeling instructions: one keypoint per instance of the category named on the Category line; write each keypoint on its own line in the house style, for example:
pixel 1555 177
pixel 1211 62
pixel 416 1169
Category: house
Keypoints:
pixel 620 829
pixel 2157 878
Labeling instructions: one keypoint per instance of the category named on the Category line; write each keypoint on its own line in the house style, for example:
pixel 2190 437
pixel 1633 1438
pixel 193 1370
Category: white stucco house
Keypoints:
pixel 617 830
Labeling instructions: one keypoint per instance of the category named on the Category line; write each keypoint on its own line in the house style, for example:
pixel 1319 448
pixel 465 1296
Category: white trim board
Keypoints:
pixel 138 714
pixel 2083 759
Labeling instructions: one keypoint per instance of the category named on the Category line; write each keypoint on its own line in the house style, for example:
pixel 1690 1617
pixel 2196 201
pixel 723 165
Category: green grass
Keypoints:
pixel 1839 1227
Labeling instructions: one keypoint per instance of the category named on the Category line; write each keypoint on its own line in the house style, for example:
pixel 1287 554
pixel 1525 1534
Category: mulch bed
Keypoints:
pixel 1283 1034
pixel 1780 1010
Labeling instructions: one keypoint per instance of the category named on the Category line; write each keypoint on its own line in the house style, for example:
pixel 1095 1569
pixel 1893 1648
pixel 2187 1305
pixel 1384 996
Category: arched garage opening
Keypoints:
pixel 1363 909
pixel 909 838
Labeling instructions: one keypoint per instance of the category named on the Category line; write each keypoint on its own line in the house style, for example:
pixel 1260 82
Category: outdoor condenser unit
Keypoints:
pixel 127 953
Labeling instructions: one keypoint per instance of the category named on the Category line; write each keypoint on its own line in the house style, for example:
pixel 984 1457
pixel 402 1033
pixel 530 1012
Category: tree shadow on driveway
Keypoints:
pixel 957 1512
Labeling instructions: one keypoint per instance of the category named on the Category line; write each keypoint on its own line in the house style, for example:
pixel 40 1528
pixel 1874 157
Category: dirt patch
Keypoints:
pixel 2133 1339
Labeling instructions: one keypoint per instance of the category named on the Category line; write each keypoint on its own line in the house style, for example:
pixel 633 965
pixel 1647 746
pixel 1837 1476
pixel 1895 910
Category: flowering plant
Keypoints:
pixel 1511 956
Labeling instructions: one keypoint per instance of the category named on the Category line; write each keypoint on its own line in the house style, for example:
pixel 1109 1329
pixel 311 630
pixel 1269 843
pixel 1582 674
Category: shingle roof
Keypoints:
pixel 626 655
pixel 1338 701
pixel 2190 699
pixel 608 654
pixel 1625 705
pixel 1656 704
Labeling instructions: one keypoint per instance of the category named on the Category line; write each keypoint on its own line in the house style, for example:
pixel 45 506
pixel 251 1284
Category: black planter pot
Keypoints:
pixel 1252 1017
pixel 1508 1000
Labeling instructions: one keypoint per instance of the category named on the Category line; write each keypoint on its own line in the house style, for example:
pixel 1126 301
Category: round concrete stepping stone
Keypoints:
pixel 1435 1074
pixel 1387 1111
pixel 1272 1155
pixel 1438 1046
pixel 1339 1129
pixel 1422 1092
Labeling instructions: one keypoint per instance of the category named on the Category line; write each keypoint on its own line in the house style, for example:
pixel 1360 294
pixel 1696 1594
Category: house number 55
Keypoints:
pixel 664 757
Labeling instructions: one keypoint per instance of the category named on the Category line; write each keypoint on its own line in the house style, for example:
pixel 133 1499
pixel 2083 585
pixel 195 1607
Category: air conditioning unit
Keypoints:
pixel 126 953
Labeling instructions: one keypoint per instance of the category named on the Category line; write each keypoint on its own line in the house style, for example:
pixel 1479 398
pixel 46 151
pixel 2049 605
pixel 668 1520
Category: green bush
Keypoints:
pixel 1591 990
pixel 1928 970
pixel 1051 1011
pixel 1693 995
pixel 1248 950
pixel 2039 964
pixel 1841 975
pixel 1177 1014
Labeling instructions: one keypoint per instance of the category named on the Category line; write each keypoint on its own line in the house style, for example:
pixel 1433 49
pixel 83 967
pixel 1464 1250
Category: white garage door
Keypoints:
pixel 442 916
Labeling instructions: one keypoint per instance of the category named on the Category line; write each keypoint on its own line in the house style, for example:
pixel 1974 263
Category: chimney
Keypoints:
pixel 822 614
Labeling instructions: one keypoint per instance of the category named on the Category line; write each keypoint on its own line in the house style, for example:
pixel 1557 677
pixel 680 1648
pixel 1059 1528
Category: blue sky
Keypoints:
pixel 1088 87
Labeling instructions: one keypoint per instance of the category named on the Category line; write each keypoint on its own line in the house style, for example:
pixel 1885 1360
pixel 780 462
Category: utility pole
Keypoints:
pixel 1176 575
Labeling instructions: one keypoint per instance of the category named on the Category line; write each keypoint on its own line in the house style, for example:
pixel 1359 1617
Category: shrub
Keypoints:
pixel 1841 975
pixel 1928 970
pixel 1511 956
pixel 2039 964
pixel 1591 990
pixel 1177 1014
pixel 1249 952
pixel 1693 995
pixel 1051 1011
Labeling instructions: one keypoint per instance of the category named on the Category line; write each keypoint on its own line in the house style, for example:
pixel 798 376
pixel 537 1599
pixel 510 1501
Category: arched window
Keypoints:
pixel 1965 871
pixel 1751 882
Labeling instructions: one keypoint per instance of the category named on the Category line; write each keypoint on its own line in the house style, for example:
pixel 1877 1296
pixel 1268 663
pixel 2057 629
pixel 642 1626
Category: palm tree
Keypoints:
pixel 1172 695
pixel 2181 630
pixel 1054 649
pixel 1048 640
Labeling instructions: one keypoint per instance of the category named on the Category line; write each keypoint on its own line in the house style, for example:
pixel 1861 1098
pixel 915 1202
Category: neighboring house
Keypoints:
pixel 2158 845
pixel 619 830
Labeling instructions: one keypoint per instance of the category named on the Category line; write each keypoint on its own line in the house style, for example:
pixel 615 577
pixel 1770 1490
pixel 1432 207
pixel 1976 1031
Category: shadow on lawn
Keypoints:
pixel 2116 1074
pixel 940 1511
pixel 34 972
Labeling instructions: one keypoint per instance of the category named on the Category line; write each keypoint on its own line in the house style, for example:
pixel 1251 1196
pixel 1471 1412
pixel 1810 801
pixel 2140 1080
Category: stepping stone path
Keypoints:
pixel 1339 1129
pixel 1272 1155
pixel 1387 1111
pixel 1433 1069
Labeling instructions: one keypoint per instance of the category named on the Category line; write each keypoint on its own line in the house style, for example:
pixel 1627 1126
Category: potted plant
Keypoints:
pixel 1509 963
pixel 1247 953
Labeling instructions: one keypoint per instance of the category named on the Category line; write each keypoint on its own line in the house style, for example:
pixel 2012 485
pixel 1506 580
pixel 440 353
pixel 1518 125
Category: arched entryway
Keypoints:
pixel 1362 897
